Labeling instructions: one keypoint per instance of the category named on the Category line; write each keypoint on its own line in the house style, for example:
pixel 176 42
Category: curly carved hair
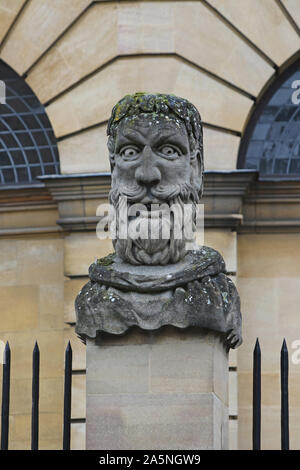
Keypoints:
pixel 159 104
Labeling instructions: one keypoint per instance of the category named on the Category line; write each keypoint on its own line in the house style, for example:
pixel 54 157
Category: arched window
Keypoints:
pixel 27 142
pixel 271 142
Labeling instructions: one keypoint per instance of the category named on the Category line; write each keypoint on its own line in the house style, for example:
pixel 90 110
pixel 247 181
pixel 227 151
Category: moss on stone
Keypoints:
pixel 107 260
pixel 158 104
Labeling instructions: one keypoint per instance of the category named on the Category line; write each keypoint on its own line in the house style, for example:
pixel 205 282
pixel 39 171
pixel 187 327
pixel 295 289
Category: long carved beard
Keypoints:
pixel 160 250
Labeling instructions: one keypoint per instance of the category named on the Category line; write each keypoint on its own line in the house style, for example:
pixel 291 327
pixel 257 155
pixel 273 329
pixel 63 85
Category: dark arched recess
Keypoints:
pixel 271 141
pixel 27 142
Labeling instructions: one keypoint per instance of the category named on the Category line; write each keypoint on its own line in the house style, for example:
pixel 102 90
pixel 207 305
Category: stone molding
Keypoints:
pixel 27 210
pixel 223 195
pixel 272 206
pixel 237 200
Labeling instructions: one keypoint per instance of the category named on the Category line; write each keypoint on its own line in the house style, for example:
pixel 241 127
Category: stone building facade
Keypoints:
pixel 79 57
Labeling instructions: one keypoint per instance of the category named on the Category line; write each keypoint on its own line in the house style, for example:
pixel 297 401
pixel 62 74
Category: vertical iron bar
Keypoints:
pixel 256 430
pixel 284 368
pixel 35 398
pixel 67 398
pixel 5 398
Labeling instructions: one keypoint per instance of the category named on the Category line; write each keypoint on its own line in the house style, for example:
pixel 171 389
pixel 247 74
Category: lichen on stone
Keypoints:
pixel 107 260
pixel 158 105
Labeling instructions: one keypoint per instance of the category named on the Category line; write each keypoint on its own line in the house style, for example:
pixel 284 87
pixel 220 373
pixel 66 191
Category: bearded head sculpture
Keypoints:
pixel 156 154
pixel 158 275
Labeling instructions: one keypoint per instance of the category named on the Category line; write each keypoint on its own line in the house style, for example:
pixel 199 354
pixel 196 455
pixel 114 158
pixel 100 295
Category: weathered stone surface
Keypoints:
pixel 133 422
pixel 158 275
pixel 167 402
pixel 194 361
pixel 194 292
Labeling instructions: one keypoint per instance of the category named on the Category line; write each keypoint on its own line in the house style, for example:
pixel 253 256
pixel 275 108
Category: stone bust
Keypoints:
pixel 156 154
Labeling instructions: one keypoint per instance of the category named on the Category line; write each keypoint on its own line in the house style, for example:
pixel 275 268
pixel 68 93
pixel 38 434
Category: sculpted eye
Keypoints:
pixel 169 151
pixel 129 152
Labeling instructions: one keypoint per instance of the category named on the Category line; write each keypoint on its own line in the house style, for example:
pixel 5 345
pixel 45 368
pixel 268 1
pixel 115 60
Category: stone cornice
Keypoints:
pixel 235 200
pixel 272 206
pixel 223 196
pixel 27 210
pixel 228 183
pixel 215 182
pixel 27 197
pixel 78 186
pixel 266 189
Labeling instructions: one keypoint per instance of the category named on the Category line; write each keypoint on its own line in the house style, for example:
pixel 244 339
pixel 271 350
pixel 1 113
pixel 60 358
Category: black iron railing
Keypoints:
pixel 5 398
pixel 256 396
pixel 284 371
pixel 35 398
pixel 284 375
pixel 67 398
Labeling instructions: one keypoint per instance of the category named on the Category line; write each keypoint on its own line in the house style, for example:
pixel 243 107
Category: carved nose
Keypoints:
pixel 147 173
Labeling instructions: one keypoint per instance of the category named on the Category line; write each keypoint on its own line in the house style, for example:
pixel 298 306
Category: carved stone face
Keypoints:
pixel 153 164
pixel 154 155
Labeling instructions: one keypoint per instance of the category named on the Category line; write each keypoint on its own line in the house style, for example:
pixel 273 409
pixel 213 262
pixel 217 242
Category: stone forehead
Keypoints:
pixel 157 104
pixel 152 120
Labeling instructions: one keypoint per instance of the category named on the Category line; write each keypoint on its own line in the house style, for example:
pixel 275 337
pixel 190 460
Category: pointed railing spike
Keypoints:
pixel 67 398
pixel 5 398
pixel 256 430
pixel 35 398
pixel 284 375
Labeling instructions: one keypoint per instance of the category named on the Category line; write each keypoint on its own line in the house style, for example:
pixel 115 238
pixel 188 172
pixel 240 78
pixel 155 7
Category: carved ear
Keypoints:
pixel 111 150
pixel 197 171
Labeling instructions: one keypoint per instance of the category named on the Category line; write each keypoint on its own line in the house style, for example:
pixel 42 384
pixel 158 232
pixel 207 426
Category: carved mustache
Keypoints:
pixel 136 193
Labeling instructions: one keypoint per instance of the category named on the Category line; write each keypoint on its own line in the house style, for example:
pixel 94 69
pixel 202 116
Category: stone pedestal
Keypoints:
pixel 163 389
